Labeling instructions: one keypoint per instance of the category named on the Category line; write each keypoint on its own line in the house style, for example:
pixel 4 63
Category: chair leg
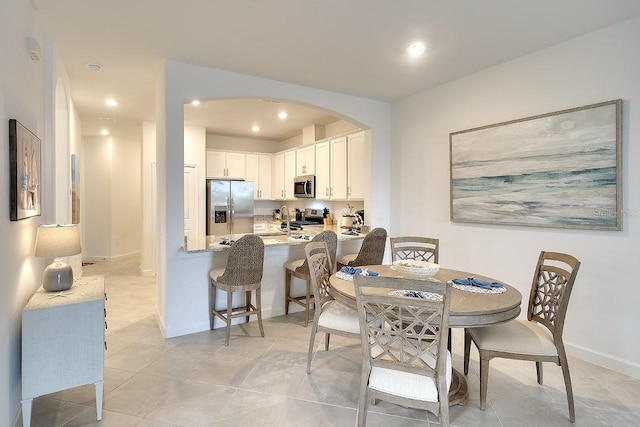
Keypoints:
pixel 564 364
pixel 312 341
pixel 327 335
pixel 363 402
pixel 229 311
pixel 247 302
pixel 467 350
pixel 539 372
pixel 307 303
pixel 484 379
pixel 287 289
pixel 212 304
pixel 259 309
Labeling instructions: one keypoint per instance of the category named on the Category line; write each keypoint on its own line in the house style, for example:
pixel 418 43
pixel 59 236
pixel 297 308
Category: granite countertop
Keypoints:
pixel 271 234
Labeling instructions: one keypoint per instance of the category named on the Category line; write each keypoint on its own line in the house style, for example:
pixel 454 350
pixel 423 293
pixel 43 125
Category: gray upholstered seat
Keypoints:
pixel 371 251
pixel 243 273
pixel 299 268
pixel 539 338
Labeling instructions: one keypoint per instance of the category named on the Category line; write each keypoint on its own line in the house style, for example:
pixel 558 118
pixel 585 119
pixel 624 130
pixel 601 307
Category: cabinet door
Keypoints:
pixel 216 164
pixel 236 165
pixel 278 176
pixel 339 168
pixel 265 176
pixel 323 171
pixel 356 166
pixel 253 173
pixel 305 161
pixel 289 174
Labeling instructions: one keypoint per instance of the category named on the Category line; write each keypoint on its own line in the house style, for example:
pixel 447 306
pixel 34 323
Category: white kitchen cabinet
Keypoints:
pixel 259 171
pixel 63 342
pixel 306 160
pixel 284 172
pixel 356 166
pixel 338 190
pixel 225 165
pixel 323 171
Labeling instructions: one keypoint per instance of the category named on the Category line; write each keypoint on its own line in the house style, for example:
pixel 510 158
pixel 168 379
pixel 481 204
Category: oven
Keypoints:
pixel 304 187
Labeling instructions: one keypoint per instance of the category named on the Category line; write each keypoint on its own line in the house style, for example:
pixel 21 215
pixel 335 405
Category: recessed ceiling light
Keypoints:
pixel 255 128
pixel 111 102
pixel 104 132
pixel 195 102
pixel 416 49
pixel 283 115
pixel 95 67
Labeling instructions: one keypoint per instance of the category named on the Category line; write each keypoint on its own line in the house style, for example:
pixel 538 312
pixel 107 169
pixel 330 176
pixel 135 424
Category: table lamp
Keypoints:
pixel 57 241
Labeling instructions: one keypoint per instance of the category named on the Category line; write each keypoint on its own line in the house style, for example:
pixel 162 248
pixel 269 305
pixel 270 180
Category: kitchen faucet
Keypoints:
pixel 282 209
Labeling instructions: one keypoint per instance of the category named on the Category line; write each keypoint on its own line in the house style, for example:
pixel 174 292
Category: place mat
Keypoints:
pixel 478 290
pixel 346 276
pixel 416 294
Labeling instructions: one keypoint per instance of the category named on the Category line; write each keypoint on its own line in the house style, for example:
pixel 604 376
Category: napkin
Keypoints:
pixel 477 282
pixel 349 233
pixel 359 271
pixel 415 294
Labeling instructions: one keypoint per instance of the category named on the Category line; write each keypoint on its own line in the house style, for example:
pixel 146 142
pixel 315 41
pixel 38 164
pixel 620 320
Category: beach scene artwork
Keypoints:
pixel 559 169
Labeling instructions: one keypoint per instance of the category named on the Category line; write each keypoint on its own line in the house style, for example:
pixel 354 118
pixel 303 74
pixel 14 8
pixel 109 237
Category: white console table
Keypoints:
pixel 63 342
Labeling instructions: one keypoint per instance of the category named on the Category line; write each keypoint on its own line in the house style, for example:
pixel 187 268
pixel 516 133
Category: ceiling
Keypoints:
pixel 355 47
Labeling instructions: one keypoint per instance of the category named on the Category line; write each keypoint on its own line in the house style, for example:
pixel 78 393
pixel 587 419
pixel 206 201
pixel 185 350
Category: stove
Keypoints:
pixel 311 217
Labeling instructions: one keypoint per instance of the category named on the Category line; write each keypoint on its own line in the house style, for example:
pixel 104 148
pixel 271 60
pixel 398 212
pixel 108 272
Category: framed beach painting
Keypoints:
pixel 25 169
pixel 561 169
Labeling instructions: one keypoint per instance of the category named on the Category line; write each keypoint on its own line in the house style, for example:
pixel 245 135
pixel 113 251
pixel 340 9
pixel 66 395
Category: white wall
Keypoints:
pixel 195 140
pixel 112 194
pixel 148 180
pixel 178 282
pixel 231 143
pixel 603 314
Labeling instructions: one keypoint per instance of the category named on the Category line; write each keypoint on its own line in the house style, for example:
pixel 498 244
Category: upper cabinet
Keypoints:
pixel 306 160
pixel 284 172
pixel 323 171
pixel 259 170
pixel 356 166
pixel 338 188
pixel 225 165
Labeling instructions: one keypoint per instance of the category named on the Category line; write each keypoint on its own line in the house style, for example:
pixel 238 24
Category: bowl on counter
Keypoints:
pixel 416 269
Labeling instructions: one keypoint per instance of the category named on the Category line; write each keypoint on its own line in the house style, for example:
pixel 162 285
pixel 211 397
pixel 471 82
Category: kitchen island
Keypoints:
pixel 210 252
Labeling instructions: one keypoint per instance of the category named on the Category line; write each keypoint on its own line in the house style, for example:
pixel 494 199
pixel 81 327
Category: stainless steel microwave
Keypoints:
pixel 304 187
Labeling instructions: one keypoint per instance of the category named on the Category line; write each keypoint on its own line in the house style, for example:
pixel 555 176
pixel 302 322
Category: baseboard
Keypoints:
pixel 623 366
pixel 110 258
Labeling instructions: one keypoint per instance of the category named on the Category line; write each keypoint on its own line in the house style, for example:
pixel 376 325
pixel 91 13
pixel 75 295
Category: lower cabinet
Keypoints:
pixel 63 342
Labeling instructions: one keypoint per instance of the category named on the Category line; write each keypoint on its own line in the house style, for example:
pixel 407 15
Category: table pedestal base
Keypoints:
pixel 458 392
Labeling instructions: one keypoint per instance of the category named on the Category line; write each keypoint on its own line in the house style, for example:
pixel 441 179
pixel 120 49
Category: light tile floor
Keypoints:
pixel 195 380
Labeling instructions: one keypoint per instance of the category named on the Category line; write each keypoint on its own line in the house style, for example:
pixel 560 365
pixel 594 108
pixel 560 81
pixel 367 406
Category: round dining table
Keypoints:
pixel 468 309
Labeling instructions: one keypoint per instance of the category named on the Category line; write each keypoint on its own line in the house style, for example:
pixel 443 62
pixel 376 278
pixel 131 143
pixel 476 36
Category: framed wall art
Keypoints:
pixel 560 169
pixel 25 158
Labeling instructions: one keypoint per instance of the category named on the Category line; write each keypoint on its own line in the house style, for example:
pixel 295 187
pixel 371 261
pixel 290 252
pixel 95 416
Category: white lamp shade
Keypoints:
pixel 57 240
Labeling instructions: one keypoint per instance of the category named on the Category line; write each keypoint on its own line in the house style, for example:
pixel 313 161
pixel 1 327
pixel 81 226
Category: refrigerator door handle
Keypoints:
pixel 233 212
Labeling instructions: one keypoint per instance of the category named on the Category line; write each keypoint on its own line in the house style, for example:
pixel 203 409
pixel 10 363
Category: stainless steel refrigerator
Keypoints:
pixel 229 207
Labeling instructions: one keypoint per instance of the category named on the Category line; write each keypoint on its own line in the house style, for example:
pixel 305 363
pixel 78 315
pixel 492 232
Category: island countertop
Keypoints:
pixel 271 235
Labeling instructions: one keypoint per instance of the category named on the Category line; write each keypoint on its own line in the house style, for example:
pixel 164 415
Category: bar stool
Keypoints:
pixel 300 268
pixel 371 251
pixel 243 273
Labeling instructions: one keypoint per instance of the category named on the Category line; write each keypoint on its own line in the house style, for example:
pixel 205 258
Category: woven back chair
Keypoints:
pixel 300 268
pixel 243 273
pixel 415 248
pixel 530 339
pixel 329 316
pixel 371 251
pixel 404 344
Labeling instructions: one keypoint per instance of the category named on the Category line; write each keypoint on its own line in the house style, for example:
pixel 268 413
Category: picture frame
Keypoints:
pixel 559 170
pixel 25 168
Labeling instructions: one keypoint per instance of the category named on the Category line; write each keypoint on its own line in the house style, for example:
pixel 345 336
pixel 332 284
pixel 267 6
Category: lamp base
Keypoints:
pixel 58 276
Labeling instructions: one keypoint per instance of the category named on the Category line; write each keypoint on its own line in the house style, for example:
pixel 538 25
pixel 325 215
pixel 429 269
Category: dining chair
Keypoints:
pixel 371 251
pixel 242 273
pixel 415 248
pixel 539 338
pixel 404 344
pixel 330 316
pixel 300 268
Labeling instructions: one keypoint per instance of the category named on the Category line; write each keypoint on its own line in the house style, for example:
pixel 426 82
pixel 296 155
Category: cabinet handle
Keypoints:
pixel 105 312
pixel 326 191
pixel 105 346
pixel 348 191
pixel 105 325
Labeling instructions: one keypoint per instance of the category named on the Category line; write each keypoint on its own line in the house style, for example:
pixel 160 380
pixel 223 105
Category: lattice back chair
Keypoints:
pixel 330 316
pixel 539 338
pixel 404 344
pixel 415 248
pixel 300 268
pixel 371 251
pixel 243 273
